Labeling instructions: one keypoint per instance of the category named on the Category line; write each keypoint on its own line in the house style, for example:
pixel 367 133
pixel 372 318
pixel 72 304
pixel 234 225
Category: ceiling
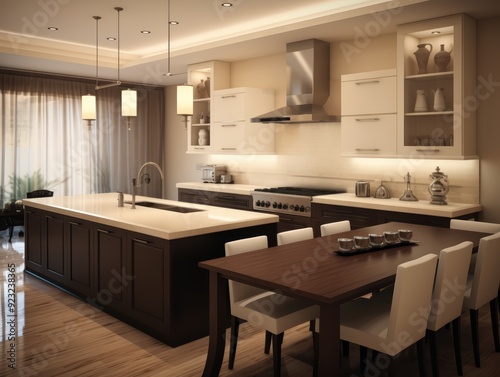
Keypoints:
pixel 206 31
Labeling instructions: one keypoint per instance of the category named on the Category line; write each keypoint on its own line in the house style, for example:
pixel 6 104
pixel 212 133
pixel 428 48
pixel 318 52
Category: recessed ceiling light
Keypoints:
pixel 173 22
pixel 436 32
pixel 111 38
pixel 52 28
pixel 227 5
pixel 145 32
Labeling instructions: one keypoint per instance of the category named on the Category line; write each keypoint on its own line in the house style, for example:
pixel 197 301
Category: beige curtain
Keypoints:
pixel 45 144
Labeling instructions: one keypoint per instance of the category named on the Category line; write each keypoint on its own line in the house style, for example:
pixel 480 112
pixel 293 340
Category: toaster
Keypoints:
pixel 212 173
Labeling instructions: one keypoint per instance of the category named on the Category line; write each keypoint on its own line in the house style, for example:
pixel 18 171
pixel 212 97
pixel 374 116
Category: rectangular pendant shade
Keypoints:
pixel 129 103
pixel 88 107
pixel 185 100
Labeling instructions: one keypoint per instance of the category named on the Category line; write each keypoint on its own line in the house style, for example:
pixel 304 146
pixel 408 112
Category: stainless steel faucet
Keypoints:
pixel 137 182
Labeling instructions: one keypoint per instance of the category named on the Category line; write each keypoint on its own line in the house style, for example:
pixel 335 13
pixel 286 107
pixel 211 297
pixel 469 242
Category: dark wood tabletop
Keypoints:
pixel 312 270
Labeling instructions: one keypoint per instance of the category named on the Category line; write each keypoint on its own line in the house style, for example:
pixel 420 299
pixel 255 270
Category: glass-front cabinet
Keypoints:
pixel 436 62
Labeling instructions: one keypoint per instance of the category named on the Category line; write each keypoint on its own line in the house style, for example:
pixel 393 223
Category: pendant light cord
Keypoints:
pixel 97 18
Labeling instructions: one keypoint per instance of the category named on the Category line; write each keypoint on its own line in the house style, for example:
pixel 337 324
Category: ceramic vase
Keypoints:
pixel 202 90
pixel 442 59
pixel 422 56
pixel 421 101
pixel 439 104
pixel 207 86
pixel 203 137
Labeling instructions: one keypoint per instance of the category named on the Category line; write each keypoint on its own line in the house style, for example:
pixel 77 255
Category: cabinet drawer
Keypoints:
pixel 228 136
pixel 232 201
pixel 374 95
pixel 194 196
pixel 369 135
pixel 229 107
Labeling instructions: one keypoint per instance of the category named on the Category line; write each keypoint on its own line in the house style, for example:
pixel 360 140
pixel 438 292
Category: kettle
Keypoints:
pixel 362 189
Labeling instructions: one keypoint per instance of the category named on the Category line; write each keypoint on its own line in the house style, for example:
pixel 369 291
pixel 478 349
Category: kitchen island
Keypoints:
pixel 140 265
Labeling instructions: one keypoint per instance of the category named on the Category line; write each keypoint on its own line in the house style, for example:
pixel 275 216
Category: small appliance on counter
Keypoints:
pixel 213 173
pixel 362 189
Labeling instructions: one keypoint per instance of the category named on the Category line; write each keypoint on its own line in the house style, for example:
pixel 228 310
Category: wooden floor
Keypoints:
pixel 59 335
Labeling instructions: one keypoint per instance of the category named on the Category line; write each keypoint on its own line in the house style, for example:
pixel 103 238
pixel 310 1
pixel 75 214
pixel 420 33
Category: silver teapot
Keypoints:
pixel 438 188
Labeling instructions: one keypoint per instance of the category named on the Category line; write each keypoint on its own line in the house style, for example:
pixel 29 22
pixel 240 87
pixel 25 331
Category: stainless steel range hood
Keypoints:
pixel 308 85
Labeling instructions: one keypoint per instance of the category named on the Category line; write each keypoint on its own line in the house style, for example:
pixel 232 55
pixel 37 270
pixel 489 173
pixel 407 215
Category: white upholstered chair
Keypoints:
pixel 378 323
pixel 271 311
pixel 482 288
pixel 295 235
pixel 335 227
pixel 447 299
pixel 475 226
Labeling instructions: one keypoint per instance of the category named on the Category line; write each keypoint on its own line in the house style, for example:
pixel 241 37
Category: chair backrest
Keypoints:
pixel 239 291
pixel 449 285
pixel 474 226
pixel 39 194
pixel 411 300
pixel 335 227
pixel 295 235
pixel 486 278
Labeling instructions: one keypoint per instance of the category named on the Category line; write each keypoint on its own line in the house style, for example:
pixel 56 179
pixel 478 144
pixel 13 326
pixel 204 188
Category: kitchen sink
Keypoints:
pixel 166 207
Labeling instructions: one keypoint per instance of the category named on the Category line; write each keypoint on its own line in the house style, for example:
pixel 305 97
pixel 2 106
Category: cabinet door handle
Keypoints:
pixel 201 149
pixel 429 150
pixel 228 149
pixel 367 150
pixel 231 96
pixel 229 125
pixel 368 82
pixel 367 119
pixel 141 241
pixel 104 231
pixel 74 223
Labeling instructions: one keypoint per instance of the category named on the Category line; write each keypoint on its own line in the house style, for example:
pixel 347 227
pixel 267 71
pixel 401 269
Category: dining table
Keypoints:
pixel 316 271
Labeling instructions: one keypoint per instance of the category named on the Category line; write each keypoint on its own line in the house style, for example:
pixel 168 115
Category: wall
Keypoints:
pixel 308 154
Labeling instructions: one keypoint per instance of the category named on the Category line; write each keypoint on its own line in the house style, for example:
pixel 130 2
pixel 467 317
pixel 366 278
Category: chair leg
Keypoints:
pixel 277 341
pixel 474 324
pixel 363 354
pixel 235 326
pixel 434 357
pixel 457 343
pixel 345 348
pixel 420 356
pixel 316 353
pixel 494 323
pixel 267 345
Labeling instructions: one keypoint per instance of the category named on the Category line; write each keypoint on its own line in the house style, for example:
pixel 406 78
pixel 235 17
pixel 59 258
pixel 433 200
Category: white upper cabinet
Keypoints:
pixel 206 78
pixel 232 131
pixel 368 107
pixel 436 111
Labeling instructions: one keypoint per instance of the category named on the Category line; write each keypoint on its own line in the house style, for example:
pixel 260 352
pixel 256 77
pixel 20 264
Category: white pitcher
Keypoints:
pixel 439 104
pixel 421 101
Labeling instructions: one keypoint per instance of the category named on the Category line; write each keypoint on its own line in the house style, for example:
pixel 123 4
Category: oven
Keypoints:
pixel 292 204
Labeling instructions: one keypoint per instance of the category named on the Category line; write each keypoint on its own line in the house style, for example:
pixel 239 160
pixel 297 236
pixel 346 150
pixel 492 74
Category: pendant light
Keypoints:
pixel 129 96
pixel 88 109
pixel 184 92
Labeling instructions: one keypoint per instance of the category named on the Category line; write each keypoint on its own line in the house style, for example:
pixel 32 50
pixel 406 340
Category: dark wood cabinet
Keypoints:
pixel 216 198
pixel 234 201
pixel 151 283
pixel 108 269
pixel 363 217
pixel 147 264
pixel 79 256
pixel 194 196
pixel 34 259
pixel 53 248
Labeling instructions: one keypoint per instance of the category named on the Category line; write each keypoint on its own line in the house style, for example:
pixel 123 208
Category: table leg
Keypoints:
pixel 329 341
pixel 217 330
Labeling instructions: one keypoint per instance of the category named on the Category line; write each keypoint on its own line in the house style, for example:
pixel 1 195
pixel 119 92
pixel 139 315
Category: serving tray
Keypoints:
pixel 369 249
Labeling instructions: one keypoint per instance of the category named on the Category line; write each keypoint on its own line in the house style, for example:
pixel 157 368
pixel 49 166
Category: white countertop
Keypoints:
pixel 233 188
pixel 422 207
pixel 103 209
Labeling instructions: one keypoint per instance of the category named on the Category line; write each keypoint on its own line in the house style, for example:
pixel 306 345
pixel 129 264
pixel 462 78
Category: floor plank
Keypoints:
pixel 60 335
